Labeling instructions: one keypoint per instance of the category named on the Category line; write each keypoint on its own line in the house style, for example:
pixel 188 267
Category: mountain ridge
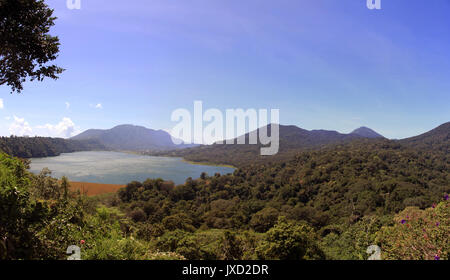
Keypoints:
pixel 367 132
pixel 131 137
pixel 294 140
pixel 437 138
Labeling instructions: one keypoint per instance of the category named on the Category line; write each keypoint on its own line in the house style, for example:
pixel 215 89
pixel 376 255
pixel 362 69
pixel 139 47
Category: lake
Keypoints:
pixel 121 168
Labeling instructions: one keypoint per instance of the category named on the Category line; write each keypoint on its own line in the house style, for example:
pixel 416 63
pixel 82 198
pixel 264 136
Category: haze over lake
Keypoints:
pixel 121 168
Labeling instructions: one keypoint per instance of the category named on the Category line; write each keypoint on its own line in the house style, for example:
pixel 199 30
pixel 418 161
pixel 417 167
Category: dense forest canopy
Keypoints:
pixel 349 194
pixel 330 202
pixel 332 185
pixel 29 147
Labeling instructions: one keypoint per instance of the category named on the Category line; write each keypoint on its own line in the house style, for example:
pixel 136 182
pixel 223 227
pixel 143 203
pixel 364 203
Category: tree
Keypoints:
pixel 178 221
pixel 263 220
pixel 290 241
pixel 65 186
pixel 230 246
pixel 19 215
pixel 45 186
pixel 138 215
pixel 25 43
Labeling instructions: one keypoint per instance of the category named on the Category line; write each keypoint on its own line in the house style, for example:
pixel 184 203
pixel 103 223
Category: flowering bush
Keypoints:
pixel 418 234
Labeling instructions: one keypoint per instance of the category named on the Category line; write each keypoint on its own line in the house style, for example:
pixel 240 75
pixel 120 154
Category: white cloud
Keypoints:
pixel 65 129
pixel 1 103
pixel 98 106
pixel 20 127
pixel 67 105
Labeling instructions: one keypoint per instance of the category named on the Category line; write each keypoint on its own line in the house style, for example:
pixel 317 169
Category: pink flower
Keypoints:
pixel 82 242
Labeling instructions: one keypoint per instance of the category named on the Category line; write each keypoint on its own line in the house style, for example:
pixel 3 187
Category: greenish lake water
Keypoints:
pixel 121 168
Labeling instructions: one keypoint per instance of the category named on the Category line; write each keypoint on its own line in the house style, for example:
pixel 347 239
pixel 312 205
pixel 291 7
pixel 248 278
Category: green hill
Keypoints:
pixel 28 147
pixel 292 141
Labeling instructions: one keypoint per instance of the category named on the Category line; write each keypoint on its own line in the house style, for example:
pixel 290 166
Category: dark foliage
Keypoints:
pixel 28 147
pixel 334 185
pixel 25 43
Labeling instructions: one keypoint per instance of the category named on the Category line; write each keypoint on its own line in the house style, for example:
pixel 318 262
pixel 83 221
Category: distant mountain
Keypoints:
pixel 131 138
pixel 292 140
pixel 366 133
pixel 438 138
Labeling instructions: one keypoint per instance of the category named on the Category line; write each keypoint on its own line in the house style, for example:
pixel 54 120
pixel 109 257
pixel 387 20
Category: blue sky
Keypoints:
pixel 325 64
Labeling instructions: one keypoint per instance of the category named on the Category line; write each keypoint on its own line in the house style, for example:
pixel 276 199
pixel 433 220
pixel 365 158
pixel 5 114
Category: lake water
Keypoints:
pixel 121 168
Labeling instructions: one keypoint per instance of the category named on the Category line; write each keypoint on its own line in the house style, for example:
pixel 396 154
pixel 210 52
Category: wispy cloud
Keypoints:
pixel 97 106
pixel 1 104
pixel 67 105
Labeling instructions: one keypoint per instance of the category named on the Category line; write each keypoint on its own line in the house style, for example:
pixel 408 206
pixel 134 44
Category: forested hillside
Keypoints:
pixel 292 140
pixel 28 147
pixel 437 139
pixel 346 193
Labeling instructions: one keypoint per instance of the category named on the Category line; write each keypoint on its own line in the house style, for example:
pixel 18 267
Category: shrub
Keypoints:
pixel 138 215
pixel 264 219
pixel 418 234
pixel 290 241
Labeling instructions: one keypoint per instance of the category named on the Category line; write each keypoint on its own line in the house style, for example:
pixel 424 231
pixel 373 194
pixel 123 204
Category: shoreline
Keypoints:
pixel 182 159
pixel 207 163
